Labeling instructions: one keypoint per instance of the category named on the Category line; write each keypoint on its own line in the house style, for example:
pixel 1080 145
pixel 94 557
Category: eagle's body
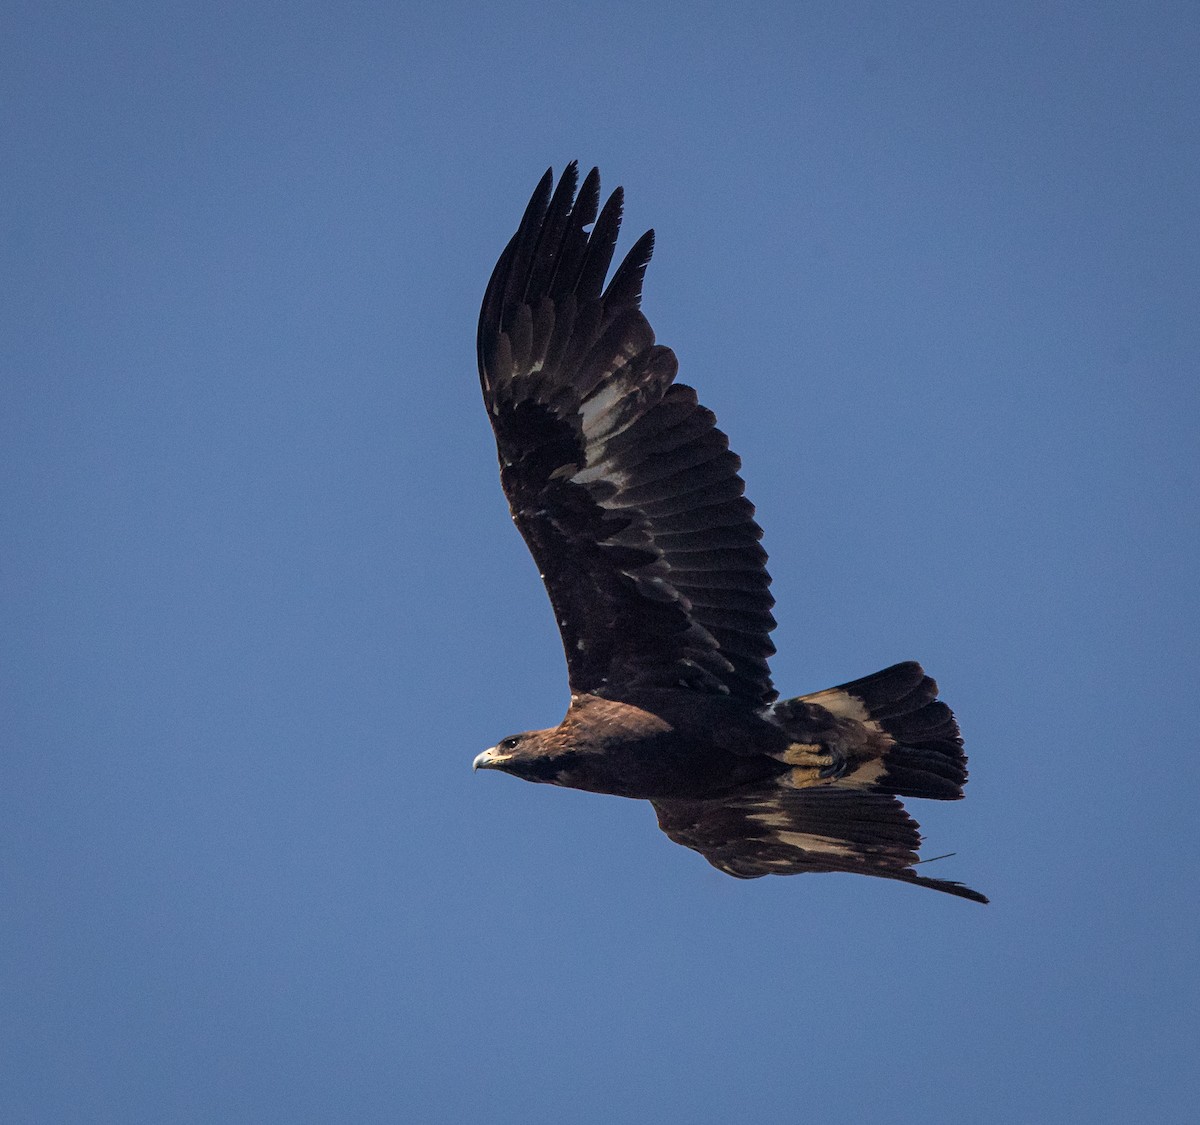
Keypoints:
pixel 660 745
pixel 631 504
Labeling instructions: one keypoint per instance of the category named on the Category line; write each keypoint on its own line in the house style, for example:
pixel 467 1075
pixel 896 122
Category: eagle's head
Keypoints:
pixel 534 755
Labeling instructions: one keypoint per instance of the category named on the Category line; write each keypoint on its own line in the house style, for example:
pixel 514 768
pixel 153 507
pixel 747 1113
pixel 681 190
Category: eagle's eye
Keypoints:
pixel 509 743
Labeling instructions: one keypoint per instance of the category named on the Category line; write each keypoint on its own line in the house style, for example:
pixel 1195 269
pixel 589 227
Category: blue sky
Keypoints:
pixel 934 266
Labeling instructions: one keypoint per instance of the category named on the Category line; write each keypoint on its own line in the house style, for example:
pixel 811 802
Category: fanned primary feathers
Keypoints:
pixel 632 505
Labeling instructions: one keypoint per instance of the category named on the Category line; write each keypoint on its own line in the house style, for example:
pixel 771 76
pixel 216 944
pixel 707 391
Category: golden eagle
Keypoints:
pixel 630 501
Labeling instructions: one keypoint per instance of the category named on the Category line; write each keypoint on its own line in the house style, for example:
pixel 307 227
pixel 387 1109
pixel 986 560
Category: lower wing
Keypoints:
pixel 778 831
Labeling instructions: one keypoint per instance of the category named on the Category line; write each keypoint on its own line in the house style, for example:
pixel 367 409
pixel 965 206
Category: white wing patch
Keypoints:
pixel 772 819
pixel 807 842
pixel 603 470
pixel 598 405
pixel 778 821
pixel 595 414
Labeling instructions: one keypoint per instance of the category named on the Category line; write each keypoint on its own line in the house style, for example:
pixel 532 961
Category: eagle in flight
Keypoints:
pixel 630 501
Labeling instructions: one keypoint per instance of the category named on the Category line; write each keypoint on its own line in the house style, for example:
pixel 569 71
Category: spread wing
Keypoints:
pixel 777 831
pixel 622 486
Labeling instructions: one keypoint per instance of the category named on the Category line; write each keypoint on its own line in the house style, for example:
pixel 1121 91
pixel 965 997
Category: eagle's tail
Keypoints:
pixel 888 732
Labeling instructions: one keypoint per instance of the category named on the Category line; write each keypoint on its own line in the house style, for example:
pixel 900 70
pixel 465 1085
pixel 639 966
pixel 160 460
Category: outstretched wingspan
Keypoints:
pixel 622 486
pixel 779 831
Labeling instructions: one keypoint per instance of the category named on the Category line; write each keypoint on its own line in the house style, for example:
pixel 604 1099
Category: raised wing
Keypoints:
pixel 778 831
pixel 622 486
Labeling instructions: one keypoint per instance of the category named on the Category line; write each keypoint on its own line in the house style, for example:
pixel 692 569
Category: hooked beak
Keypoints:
pixel 490 759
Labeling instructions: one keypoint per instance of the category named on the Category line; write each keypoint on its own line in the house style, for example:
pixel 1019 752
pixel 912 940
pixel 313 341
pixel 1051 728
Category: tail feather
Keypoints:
pixel 897 690
pixel 899 722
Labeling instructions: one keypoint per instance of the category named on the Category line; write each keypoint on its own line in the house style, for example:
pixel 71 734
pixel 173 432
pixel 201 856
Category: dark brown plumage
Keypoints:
pixel 630 501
